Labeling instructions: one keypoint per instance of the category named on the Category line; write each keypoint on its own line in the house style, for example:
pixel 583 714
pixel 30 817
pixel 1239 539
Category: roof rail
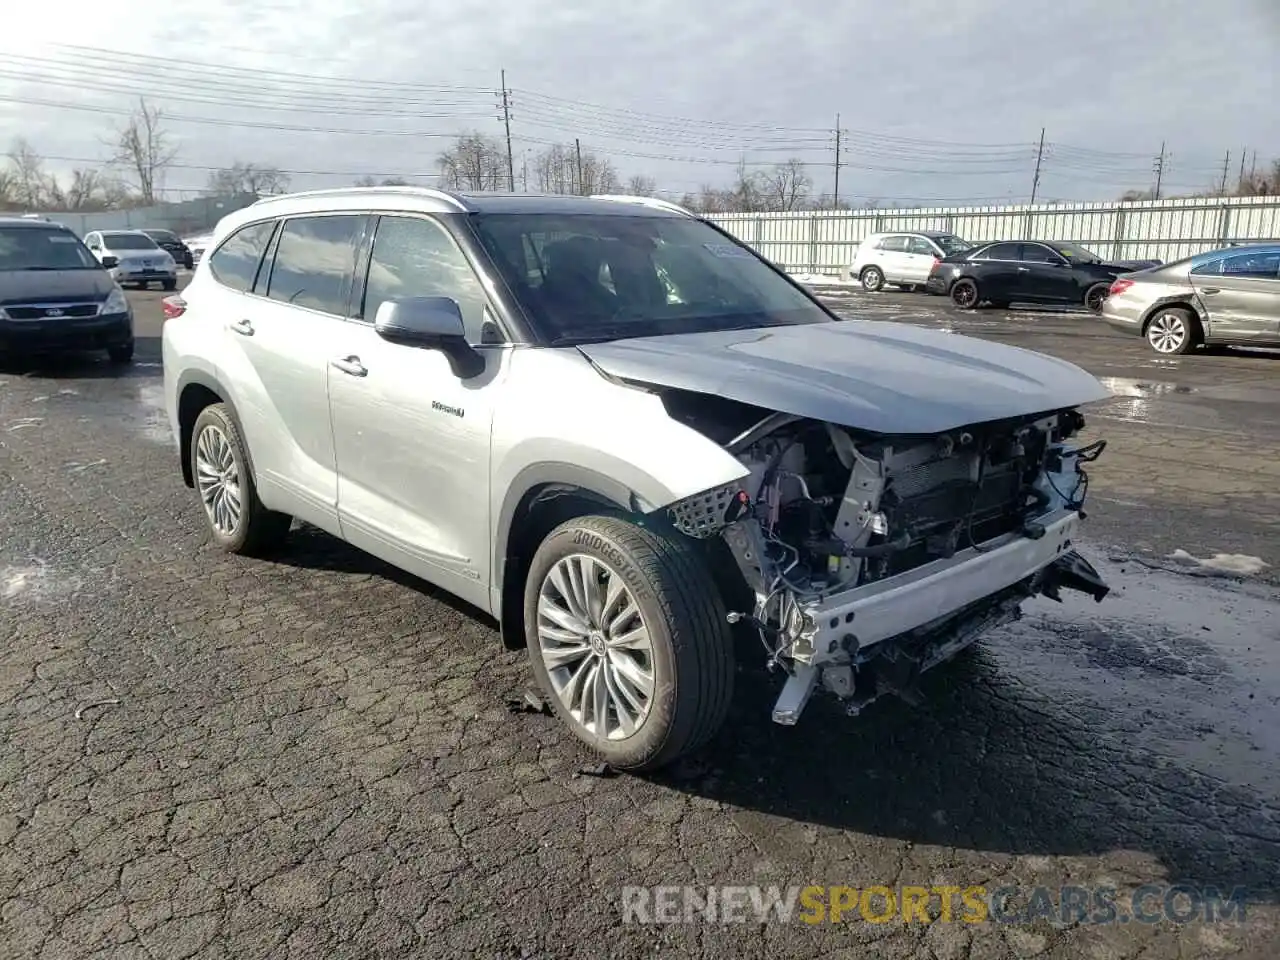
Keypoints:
pixel 407 190
pixel 646 202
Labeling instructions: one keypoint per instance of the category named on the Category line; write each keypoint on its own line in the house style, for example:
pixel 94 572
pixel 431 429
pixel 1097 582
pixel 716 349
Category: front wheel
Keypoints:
pixel 121 353
pixel 629 638
pixel 237 519
pixel 872 279
pixel 170 284
pixel 1096 296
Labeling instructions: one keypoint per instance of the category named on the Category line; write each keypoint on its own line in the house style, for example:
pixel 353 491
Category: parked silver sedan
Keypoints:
pixel 1228 297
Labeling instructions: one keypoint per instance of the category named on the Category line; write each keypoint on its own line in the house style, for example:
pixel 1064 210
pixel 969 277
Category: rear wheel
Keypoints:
pixel 628 636
pixel 964 294
pixel 237 519
pixel 1173 331
pixel 872 279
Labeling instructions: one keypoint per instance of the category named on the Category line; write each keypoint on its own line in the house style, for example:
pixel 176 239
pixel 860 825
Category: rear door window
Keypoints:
pixel 921 246
pixel 894 244
pixel 235 264
pixel 315 261
pixel 1003 251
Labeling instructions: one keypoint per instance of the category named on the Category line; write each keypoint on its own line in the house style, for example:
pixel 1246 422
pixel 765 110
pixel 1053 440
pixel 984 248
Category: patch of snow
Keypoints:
pixel 1239 564
pixel 823 280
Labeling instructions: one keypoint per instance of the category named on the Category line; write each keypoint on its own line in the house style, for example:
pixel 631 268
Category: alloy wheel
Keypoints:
pixel 1167 333
pixel 596 647
pixel 218 480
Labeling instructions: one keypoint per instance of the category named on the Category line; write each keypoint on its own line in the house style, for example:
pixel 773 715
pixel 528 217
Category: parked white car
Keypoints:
pixel 903 258
pixel 131 256
pixel 198 245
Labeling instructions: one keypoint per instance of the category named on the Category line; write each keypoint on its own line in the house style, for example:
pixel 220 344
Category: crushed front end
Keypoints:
pixel 873 559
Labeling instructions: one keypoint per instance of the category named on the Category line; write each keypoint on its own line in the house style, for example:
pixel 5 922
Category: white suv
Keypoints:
pixel 903 258
pixel 619 431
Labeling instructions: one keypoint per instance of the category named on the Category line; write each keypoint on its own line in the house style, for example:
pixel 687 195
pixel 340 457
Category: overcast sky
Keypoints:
pixel 939 101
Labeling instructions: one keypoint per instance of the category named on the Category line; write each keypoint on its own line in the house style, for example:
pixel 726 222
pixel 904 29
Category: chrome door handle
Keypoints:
pixel 350 365
pixel 242 327
pixel 1209 291
pixel 1024 269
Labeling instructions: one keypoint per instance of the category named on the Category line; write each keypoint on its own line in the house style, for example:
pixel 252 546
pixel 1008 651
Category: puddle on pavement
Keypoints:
pixel 151 415
pixel 1184 666
pixel 32 580
pixel 1128 387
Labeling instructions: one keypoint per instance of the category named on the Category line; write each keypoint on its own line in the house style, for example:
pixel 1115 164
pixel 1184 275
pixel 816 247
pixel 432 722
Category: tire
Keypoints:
pixel 1172 332
pixel 690 649
pixel 170 284
pixel 256 530
pixel 121 353
pixel 872 279
pixel 1095 296
pixel 964 294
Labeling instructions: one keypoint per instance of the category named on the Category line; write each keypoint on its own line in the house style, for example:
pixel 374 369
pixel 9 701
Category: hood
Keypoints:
pixel 880 377
pixel 54 286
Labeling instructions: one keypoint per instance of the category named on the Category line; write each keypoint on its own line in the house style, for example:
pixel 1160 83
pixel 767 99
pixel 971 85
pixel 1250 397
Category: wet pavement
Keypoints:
pixel 318 756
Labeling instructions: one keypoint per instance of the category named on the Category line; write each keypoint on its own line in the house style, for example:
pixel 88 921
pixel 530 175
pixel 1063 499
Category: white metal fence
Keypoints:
pixel 187 217
pixel 825 241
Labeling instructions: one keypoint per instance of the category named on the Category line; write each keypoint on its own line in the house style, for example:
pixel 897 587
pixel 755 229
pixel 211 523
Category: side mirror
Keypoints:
pixel 431 322
pixel 108 262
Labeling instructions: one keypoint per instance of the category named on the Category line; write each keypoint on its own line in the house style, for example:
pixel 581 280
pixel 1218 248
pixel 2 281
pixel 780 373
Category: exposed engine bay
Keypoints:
pixel 872 558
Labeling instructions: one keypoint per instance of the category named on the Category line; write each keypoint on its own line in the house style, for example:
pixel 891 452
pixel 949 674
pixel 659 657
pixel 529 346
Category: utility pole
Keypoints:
pixel 524 172
pixel 837 186
pixel 1159 168
pixel 1253 165
pixel 577 146
pixel 506 122
pixel 1240 181
pixel 1035 181
pixel 1226 168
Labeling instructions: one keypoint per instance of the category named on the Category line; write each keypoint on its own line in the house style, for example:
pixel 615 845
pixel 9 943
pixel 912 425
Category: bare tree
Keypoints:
pixel 384 182
pixel 26 173
pixel 785 187
pixel 241 178
pixel 144 147
pixel 642 186
pixel 1129 196
pixel 563 168
pixel 474 162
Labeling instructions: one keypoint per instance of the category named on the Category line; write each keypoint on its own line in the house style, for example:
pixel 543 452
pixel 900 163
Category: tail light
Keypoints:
pixel 173 306
pixel 1118 287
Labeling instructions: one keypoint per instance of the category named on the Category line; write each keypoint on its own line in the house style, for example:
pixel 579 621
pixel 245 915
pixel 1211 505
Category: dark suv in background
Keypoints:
pixel 56 297
pixel 172 244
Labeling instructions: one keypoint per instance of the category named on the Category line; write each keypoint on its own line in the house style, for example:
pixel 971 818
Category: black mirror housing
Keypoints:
pixel 434 323
pixel 108 262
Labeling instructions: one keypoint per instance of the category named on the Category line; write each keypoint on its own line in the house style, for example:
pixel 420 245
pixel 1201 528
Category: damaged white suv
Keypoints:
pixel 621 432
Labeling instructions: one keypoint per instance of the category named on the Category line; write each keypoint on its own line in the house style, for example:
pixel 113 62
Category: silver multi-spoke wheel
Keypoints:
pixel 1168 333
pixel 218 480
pixel 595 646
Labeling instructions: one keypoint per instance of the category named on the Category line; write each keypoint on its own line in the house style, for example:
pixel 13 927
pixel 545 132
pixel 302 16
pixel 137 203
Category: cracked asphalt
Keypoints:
pixel 318 756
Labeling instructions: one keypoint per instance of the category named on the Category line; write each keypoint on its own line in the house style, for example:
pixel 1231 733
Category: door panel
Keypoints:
pixel 997 272
pixel 278 354
pixel 1046 277
pixel 412 439
pixel 1241 296
pixel 918 260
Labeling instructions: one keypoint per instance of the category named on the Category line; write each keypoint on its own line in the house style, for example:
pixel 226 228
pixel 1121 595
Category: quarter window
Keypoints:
pixel 314 261
pixel 413 257
pixel 235 263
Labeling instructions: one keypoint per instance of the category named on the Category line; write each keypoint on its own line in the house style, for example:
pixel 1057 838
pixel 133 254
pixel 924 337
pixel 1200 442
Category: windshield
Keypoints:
pixel 128 241
pixel 1076 253
pixel 25 248
pixel 584 277
pixel 161 236
pixel 952 244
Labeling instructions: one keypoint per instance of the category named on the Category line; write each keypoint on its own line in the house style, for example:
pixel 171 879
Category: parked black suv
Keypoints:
pixel 172 244
pixel 55 296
